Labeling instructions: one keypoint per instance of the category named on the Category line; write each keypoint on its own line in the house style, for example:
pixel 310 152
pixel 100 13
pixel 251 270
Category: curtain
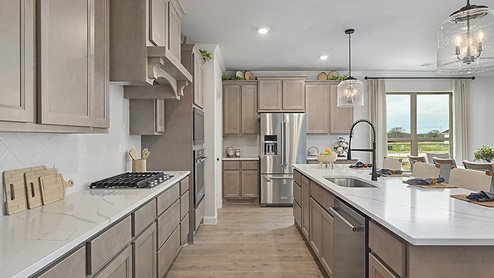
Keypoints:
pixel 461 89
pixel 377 100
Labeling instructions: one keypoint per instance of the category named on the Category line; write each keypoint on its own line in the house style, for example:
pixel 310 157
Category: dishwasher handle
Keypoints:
pixel 353 228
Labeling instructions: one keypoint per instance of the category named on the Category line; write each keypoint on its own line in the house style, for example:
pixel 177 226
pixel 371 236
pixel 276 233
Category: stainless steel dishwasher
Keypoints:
pixel 350 242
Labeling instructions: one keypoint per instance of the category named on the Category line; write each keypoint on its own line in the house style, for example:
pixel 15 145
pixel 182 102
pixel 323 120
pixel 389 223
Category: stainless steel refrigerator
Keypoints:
pixel 283 143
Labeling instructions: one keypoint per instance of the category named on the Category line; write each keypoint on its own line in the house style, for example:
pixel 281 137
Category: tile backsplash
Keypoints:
pixel 248 145
pixel 82 158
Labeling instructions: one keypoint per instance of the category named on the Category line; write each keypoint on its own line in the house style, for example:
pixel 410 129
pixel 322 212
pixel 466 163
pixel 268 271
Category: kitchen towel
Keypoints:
pixel 389 172
pixel 481 196
pixel 360 165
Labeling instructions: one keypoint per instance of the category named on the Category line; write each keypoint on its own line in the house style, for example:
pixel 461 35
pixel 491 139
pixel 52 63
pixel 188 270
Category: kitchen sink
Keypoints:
pixel 350 182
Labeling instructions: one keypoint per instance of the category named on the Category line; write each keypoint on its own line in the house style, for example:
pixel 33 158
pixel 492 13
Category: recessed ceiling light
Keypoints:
pixel 323 57
pixel 263 30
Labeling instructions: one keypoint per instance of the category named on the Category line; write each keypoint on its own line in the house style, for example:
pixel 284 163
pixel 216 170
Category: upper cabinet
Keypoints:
pixel 69 59
pixel 193 62
pixel 281 93
pixel 146 49
pixel 240 107
pixel 323 115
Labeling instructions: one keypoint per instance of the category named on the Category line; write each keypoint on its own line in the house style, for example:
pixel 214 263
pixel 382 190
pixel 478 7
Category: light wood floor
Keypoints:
pixel 248 241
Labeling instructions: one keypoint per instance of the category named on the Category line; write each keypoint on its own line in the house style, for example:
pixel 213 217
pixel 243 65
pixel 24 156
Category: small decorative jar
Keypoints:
pixel 229 152
pixel 237 152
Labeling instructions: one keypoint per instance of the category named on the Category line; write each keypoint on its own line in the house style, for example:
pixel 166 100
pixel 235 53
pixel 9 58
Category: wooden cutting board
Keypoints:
pixel 33 186
pixel 15 189
pixel 53 188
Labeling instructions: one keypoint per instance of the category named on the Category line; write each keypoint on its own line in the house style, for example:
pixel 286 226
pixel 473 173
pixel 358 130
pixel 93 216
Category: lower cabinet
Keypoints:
pixel 321 235
pixel 168 252
pixel 305 207
pixel 144 250
pixel 120 267
pixel 240 180
pixel 75 264
pixel 378 270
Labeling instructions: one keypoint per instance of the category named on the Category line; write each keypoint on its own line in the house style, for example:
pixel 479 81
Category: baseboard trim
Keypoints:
pixel 210 220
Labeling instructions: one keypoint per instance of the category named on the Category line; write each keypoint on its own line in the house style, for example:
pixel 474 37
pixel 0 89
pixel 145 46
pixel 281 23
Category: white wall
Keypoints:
pixel 481 117
pixel 83 158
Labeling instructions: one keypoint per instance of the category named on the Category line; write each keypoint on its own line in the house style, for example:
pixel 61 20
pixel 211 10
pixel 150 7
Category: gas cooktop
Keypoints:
pixel 132 180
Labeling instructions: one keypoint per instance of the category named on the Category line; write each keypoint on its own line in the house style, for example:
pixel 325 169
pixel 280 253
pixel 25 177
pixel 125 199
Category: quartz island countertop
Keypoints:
pixel 420 216
pixel 33 238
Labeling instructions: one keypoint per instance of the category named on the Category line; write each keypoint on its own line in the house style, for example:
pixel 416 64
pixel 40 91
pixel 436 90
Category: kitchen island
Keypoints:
pixel 35 239
pixel 413 232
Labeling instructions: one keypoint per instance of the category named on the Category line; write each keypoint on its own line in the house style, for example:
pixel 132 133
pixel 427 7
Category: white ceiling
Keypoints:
pixel 391 35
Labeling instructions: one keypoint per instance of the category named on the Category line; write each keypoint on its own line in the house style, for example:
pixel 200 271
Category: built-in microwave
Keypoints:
pixel 198 127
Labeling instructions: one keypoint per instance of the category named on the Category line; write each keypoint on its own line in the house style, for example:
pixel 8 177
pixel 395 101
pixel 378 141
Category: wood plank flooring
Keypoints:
pixel 248 241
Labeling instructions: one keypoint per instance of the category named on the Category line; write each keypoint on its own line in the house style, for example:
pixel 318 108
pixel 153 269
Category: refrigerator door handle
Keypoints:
pixel 282 144
pixel 283 132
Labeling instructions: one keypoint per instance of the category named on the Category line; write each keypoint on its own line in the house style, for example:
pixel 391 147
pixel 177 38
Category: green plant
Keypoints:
pixel 206 55
pixel 485 153
pixel 339 78
pixel 230 77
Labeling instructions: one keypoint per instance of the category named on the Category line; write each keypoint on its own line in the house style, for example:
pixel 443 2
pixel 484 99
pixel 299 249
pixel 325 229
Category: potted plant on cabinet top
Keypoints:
pixel 484 153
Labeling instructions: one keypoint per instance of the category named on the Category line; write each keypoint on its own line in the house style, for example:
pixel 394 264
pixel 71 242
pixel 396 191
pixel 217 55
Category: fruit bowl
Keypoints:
pixel 327 159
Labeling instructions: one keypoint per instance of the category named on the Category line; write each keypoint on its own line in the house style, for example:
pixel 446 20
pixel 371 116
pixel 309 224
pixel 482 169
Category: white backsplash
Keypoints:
pixel 248 145
pixel 82 158
pixel 321 142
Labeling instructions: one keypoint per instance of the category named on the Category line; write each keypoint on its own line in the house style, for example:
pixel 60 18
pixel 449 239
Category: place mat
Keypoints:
pixel 396 175
pixel 437 185
pixel 463 197
pixel 363 168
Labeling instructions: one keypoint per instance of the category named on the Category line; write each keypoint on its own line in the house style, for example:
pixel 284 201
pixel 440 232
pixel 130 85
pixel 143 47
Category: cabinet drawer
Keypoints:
pixel 388 248
pixel 120 267
pixel 249 165
pixel 167 222
pixel 297 177
pixel 184 205
pixel 297 193
pixel 105 246
pixel 75 264
pixel 231 165
pixel 322 196
pixel 167 254
pixel 143 216
pixel 378 270
pixel 184 186
pixel 184 229
pixel 297 214
pixel 167 198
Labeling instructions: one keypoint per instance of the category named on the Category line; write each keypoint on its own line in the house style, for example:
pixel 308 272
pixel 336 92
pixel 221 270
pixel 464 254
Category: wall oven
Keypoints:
pixel 199 159
pixel 198 133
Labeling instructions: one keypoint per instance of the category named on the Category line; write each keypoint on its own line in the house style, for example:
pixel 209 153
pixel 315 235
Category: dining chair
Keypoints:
pixel 430 156
pixel 471 179
pixel 424 170
pixel 445 171
pixel 479 166
pixel 392 163
pixel 413 159
pixel 450 161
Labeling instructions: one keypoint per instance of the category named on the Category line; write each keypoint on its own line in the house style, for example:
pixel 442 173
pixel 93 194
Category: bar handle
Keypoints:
pixel 352 227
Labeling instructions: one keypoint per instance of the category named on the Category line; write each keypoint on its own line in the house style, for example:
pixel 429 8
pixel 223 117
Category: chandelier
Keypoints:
pixel 466 41
pixel 350 90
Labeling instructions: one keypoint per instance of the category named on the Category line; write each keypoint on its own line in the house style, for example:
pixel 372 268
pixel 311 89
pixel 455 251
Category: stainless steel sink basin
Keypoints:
pixel 350 182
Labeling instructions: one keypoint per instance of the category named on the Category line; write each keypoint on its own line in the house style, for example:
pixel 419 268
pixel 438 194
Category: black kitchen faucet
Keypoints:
pixel 374 174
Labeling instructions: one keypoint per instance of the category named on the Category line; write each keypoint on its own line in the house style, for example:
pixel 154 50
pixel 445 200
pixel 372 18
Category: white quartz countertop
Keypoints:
pixel 240 158
pixel 420 216
pixel 33 238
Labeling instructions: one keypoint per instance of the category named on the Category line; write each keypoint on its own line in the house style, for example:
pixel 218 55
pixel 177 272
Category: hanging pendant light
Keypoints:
pixel 350 90
pixel 466 41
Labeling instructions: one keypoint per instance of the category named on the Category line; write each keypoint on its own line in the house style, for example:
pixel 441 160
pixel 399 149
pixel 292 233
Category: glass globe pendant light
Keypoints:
pixel 466 41
pixel 350 90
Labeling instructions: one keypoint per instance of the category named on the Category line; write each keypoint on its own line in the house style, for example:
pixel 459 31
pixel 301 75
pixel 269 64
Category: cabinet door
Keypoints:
pixel 317 100
pixel 120 267
pixel 159 115
pixel 316 232
pixel 231 109
pixel 198 80
pixel 249 110
pixel 66 97
pixel 341 118
pixel 294 95
pixel 231 184
pixel 250 183
pixel 327 241
pixel 378 270
pixel 75 264
pixel 17 60
pixel 147 116
pixel 305 207
pixel 270 95
pixel 101 70
pixel 168 253
pixel 175 13
pixel 144 254
pixel 158 22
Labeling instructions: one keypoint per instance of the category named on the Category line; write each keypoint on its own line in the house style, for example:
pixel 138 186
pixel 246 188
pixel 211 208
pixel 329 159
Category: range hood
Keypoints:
pixel 166 77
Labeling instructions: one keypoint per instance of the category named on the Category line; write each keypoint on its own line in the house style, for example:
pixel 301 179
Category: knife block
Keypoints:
pixel 139 165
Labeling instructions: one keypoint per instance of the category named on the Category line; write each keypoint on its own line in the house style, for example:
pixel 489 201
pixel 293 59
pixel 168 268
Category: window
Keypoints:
pixel 418 123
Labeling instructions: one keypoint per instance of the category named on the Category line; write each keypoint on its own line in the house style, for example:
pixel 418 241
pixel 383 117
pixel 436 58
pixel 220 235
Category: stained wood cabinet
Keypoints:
pixel 323 115
pixel 305 207
pixel 240 108
pixel 278 94
pixel 71 68
pixel 75 264
pixel 193 62
pixel 321 235
pixel 240 179
pixel 147 116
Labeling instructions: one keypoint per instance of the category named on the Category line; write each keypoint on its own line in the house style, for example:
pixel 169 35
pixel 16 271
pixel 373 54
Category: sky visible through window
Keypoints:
pixel 432 112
